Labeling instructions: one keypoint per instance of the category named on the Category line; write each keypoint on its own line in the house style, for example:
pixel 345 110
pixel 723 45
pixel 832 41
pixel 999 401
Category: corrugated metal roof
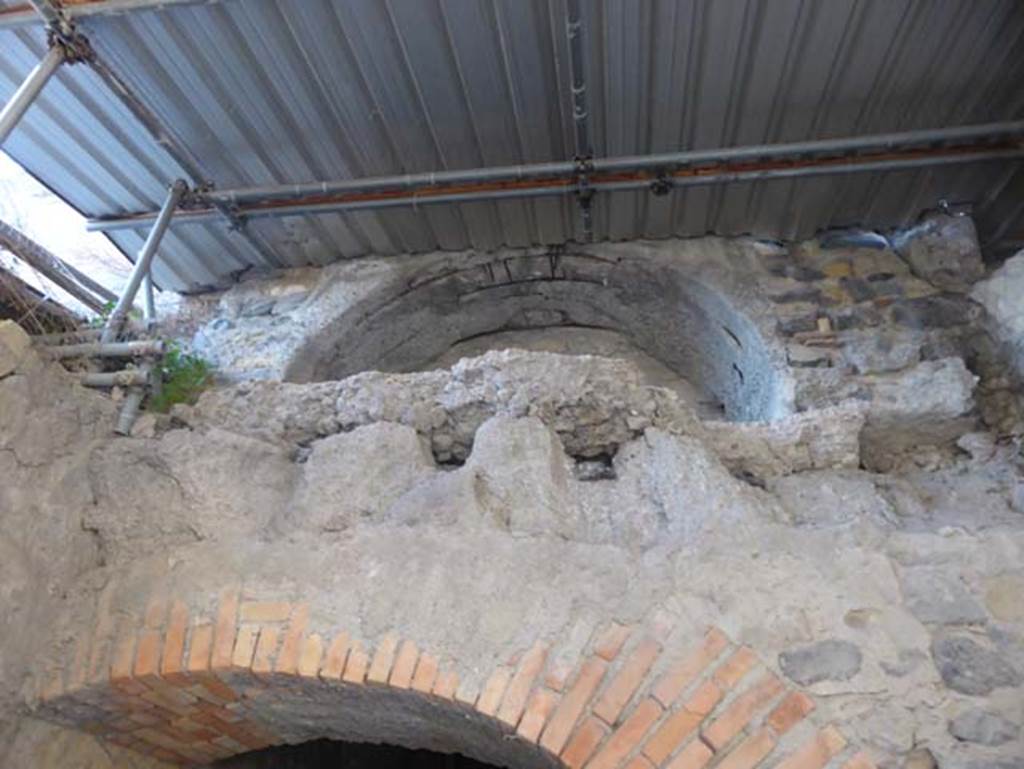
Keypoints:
pixel 265 91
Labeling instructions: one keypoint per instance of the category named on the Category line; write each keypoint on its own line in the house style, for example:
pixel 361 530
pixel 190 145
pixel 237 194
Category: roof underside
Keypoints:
pixel 269 91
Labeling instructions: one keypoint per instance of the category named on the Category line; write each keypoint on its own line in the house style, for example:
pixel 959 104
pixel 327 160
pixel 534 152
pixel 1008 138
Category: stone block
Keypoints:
pixel 14 345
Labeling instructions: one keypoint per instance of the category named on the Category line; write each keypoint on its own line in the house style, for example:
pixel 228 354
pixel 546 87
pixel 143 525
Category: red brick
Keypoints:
pixel 584 742
pixel 860 761
pixel 245 648
pixel 122 664
pixel 337 653
pixel 693 756
pixel 704 699
pixel 446 684
pixel 266 647
pixel 426 673
pixel 622 688
pixel 467 692
pixel 493 690
pixel 640 763
pixel 147 655
pixel 356 665
pixel 405 665
pixel 733 669
pixel 817 752
pixel 671 734
pixel 793 709
pixel 224 630
pixel 380 668
pixel 310 656
pixel 291 645
pixel 628 736
pixel 538 709
pixel 739 712
pixel 686 670
pixel 514 701
pixel 750 752
pixel 611 641
pixel 99 670
pixel 575 700
pixel 172 659
pixel 201 643
pixel 264 611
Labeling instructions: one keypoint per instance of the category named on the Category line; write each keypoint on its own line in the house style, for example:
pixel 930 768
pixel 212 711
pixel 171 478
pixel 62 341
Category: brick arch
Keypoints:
pixel 188 690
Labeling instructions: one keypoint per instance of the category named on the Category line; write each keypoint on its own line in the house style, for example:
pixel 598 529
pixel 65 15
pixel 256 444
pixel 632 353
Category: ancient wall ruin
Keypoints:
pixel 538 558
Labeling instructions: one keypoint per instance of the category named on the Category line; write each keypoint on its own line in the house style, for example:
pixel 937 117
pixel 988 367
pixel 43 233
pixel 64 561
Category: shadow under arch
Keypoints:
pixel 687 307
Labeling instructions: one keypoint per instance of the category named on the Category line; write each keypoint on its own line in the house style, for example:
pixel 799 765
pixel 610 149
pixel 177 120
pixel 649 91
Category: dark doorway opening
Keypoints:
pixel 332 754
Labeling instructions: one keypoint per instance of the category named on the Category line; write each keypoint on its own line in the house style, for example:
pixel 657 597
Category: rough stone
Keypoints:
pixel 13 344
pixel 356 476
pixel 944 251
pixel 829 497
pixel 1004 596
pixel 937 596
pixel 983 727
pixel 970 668
pixel 1000 295
pixel 831 660
pixel 874 352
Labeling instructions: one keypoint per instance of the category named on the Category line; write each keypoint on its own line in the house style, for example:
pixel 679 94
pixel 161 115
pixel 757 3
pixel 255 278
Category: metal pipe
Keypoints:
pixel 140 349
pixel 577 75
pixel 608 183
pixel 67 336
pixel 129 377
pixel 47 12
pixel 26 16
pixel 148 302
pixel 144 261
pixel 517 173
pixel 29 90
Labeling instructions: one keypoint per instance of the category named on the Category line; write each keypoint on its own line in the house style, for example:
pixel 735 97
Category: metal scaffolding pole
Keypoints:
pixel 144 262
pixel 686 176
pixel 27 17
pixel 575 32
pixel 29 90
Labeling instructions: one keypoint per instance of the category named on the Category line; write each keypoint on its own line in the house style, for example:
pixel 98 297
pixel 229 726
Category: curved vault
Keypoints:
pixel 182 688
pixel 685 314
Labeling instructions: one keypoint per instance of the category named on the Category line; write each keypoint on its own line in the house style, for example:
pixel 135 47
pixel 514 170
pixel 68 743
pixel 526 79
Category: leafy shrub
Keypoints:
pixel 183 376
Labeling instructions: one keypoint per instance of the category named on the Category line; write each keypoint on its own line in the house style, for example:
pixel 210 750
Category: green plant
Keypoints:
pixel 183 378
pixel 101 320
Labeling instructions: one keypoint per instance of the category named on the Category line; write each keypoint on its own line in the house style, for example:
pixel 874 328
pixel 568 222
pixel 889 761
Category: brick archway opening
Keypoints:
pixel 332 754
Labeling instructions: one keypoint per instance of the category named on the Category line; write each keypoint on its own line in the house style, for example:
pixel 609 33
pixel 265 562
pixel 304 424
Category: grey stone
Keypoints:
pixel 1004 596
pixel 983 727
pixel 944 250
pixel 876 352
pixel 831 660
pixel 937 596
pixel 1000 295
pixel 936 311
pixel 968 667
pixel 829 497
pixel 356 476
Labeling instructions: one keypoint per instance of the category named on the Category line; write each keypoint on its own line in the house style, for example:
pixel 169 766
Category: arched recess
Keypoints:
pixel 189 691
pixel 694 315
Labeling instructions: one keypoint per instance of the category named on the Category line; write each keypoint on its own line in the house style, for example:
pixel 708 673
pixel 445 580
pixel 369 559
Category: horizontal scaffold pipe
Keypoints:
pixel 27 16
pixel 137 349
pixel 692 175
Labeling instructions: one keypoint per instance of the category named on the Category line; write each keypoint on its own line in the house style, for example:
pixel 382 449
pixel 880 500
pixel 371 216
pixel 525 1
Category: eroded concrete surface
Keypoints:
pixel 869 544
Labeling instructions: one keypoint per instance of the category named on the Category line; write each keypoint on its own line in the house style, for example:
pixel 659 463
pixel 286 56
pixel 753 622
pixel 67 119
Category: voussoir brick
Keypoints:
pixel 860 761
pixel 224 630
pixel 538 709
pixel 611 641
pixel 751 752
pixel 560 725
pixel 584 742
pixel 514 701
pixel 260 612
pixel 628 736
pixel 266 647
pixel 380 667
pixel 446 685
pixel 739 663
pixel 626 682
pixel 494 689
pixel 357 664
pixel 794 707
pixel 693 756
pixel 172 658
pixel 310 656
pixel 681 724
pixel 741 710
pixel 337 654
pixel 405 665
pixel 291 643
pixel 684 672
pixel 426 673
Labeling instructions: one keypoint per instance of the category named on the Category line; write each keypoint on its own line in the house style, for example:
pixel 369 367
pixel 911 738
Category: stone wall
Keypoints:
pixel 537 558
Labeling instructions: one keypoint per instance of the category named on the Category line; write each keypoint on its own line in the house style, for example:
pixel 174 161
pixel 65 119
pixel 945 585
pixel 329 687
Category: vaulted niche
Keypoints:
pixel 669 314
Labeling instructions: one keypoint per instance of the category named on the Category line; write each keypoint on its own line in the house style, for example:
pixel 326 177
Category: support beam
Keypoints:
pixel 144 262
pixel 284 202
pixel 76 283
pixel 29 90
pixel 27 16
